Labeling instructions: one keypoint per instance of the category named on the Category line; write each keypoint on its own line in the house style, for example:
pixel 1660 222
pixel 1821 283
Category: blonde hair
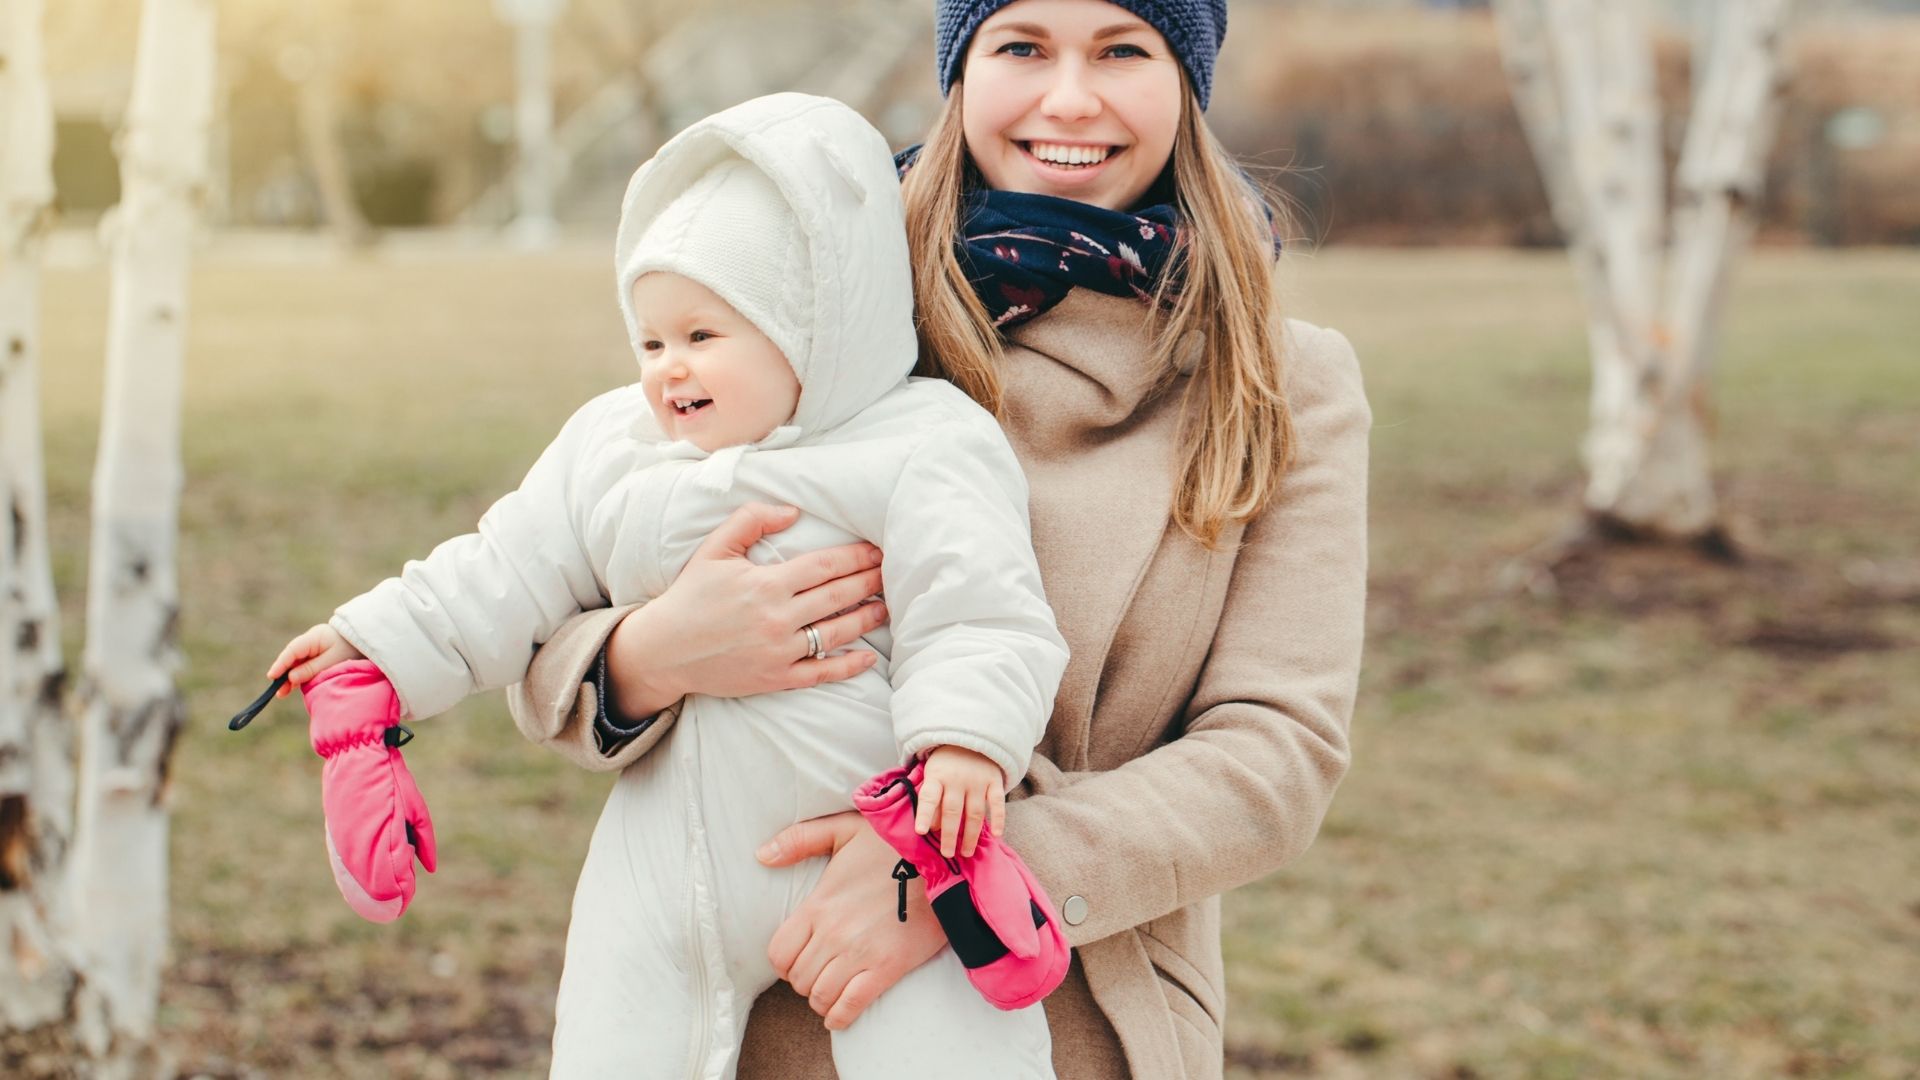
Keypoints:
pixel 1238 437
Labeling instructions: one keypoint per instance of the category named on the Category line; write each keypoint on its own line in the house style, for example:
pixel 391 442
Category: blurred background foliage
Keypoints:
pixel 1384 121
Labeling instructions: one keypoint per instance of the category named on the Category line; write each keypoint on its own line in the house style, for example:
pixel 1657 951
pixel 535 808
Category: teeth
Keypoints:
pixel 1060 154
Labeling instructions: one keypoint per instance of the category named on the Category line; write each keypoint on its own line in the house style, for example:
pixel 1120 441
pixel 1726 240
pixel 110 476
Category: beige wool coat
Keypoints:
pixel 1201 728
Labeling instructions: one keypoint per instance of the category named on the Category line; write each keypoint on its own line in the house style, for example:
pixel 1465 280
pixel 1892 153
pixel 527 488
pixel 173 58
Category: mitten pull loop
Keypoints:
pixel 245 716
pixel 904 872
pixel 397 736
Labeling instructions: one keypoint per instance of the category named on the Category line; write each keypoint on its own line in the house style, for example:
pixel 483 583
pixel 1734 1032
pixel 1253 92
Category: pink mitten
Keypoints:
pixel 376 819
pixel 994 912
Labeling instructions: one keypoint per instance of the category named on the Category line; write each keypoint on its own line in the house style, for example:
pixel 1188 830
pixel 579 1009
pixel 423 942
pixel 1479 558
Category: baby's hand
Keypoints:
pixel 314 651
pixel 960 787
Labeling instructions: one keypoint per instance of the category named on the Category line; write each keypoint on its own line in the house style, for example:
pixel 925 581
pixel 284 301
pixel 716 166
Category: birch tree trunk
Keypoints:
pixel 535 173
pixel 318 112
pixel 131 709
pixel 1582 78
pixel 1716 192
pixel 37 978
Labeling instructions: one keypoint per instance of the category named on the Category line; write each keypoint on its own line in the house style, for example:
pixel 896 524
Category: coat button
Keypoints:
pixel 1075 910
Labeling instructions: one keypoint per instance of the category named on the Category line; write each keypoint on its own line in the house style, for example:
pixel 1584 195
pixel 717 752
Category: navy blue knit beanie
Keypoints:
pixel 1194 28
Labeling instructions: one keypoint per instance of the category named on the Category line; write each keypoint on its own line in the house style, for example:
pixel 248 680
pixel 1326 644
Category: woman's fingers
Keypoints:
pixel 832 669
pixel 862 990
pixel 845 629
pixel 806 967
pixel 837 596
pixel 834 634
pixel 785 945
pixel 831 983
pixel 817 568
pixel 810 838
pixel 997 807
pixel 744 528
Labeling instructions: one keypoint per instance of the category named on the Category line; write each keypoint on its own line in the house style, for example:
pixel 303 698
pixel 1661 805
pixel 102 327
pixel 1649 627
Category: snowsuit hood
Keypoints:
pixel 837 175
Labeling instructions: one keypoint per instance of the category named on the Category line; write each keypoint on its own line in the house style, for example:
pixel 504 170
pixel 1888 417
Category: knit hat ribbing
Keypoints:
pixel 1194 30
pixel 733 232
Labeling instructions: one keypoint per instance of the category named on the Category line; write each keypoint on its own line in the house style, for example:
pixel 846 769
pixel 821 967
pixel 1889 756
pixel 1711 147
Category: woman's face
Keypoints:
pixel 1078 99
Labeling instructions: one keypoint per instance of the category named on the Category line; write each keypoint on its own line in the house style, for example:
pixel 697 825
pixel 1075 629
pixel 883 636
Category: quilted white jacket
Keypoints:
pixel 610 513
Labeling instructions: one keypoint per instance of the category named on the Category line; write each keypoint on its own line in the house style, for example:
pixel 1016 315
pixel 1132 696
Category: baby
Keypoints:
pixel 763 273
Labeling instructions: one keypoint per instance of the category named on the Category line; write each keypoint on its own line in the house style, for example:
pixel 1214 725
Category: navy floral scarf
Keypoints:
pixel 1024 253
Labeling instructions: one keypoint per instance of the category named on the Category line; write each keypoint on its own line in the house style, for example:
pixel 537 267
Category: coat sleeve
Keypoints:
pixel 1244 787
pixel 976 655
pixel 468 616
pixel 558 704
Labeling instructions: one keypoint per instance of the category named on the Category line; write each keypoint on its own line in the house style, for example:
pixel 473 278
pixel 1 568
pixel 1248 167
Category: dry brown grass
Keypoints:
pixel 1663 827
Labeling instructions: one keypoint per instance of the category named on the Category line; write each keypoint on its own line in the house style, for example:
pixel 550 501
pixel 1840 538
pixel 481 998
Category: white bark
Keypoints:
pixel 1582 75
pixel 1717 191
pixel 131 707
pixel 36 766
pixel 318 113
pixel 535 177
pixel 1528 60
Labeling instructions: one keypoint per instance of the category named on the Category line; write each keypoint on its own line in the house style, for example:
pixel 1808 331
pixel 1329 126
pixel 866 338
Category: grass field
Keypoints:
pixel 1666 824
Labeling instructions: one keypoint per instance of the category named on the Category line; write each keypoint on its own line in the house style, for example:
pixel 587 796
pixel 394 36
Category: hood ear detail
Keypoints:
pixel 843 169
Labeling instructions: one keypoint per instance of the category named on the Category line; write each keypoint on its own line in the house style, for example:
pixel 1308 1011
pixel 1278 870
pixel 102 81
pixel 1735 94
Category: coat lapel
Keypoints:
pixel 1095 427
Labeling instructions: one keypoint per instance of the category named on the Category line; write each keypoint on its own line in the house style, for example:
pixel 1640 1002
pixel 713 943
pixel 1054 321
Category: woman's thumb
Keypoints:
pixel 744 528
pixel 801 840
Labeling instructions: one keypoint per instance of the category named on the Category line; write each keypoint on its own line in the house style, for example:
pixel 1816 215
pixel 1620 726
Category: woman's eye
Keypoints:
pixel 1127 52
pixel 1021 49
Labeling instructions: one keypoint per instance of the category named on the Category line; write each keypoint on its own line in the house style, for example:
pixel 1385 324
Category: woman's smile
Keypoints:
pixel 1066 164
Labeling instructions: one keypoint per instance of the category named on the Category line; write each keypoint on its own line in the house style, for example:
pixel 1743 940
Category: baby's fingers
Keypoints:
pixel 299 675
pixel 298 649
pixel 953 806
pixel 928 806
pixel 976 817
pixel 290 655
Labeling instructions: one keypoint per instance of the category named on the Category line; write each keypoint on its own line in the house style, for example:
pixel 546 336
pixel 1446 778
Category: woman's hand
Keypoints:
pixel 845 944
pixel 728 627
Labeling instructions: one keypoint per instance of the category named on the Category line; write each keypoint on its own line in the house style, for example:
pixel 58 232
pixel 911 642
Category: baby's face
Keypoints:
pixel 711 376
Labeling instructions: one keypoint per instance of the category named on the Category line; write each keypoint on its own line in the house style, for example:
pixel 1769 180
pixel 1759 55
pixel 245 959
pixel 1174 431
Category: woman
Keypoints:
pixel 1197 468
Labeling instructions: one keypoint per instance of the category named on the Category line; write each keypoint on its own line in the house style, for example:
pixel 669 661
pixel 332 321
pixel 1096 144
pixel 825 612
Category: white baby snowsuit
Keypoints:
pixel 672 915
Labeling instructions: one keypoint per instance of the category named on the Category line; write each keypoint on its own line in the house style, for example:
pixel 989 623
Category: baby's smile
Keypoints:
pixel 688 406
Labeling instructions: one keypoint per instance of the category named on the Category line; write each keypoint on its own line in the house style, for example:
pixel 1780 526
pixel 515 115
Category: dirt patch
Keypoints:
pixel 1815 639
pixel 344 1018
pixel 1785 608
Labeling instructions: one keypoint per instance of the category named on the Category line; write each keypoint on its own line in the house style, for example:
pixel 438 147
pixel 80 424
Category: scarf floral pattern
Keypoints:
pixel 1024 253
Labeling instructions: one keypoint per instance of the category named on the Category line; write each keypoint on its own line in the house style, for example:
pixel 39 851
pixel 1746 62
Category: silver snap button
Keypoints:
pixel 1075 910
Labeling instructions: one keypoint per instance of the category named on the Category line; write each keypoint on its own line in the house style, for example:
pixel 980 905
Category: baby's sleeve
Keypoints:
pixel 468 617
pixel 977 658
